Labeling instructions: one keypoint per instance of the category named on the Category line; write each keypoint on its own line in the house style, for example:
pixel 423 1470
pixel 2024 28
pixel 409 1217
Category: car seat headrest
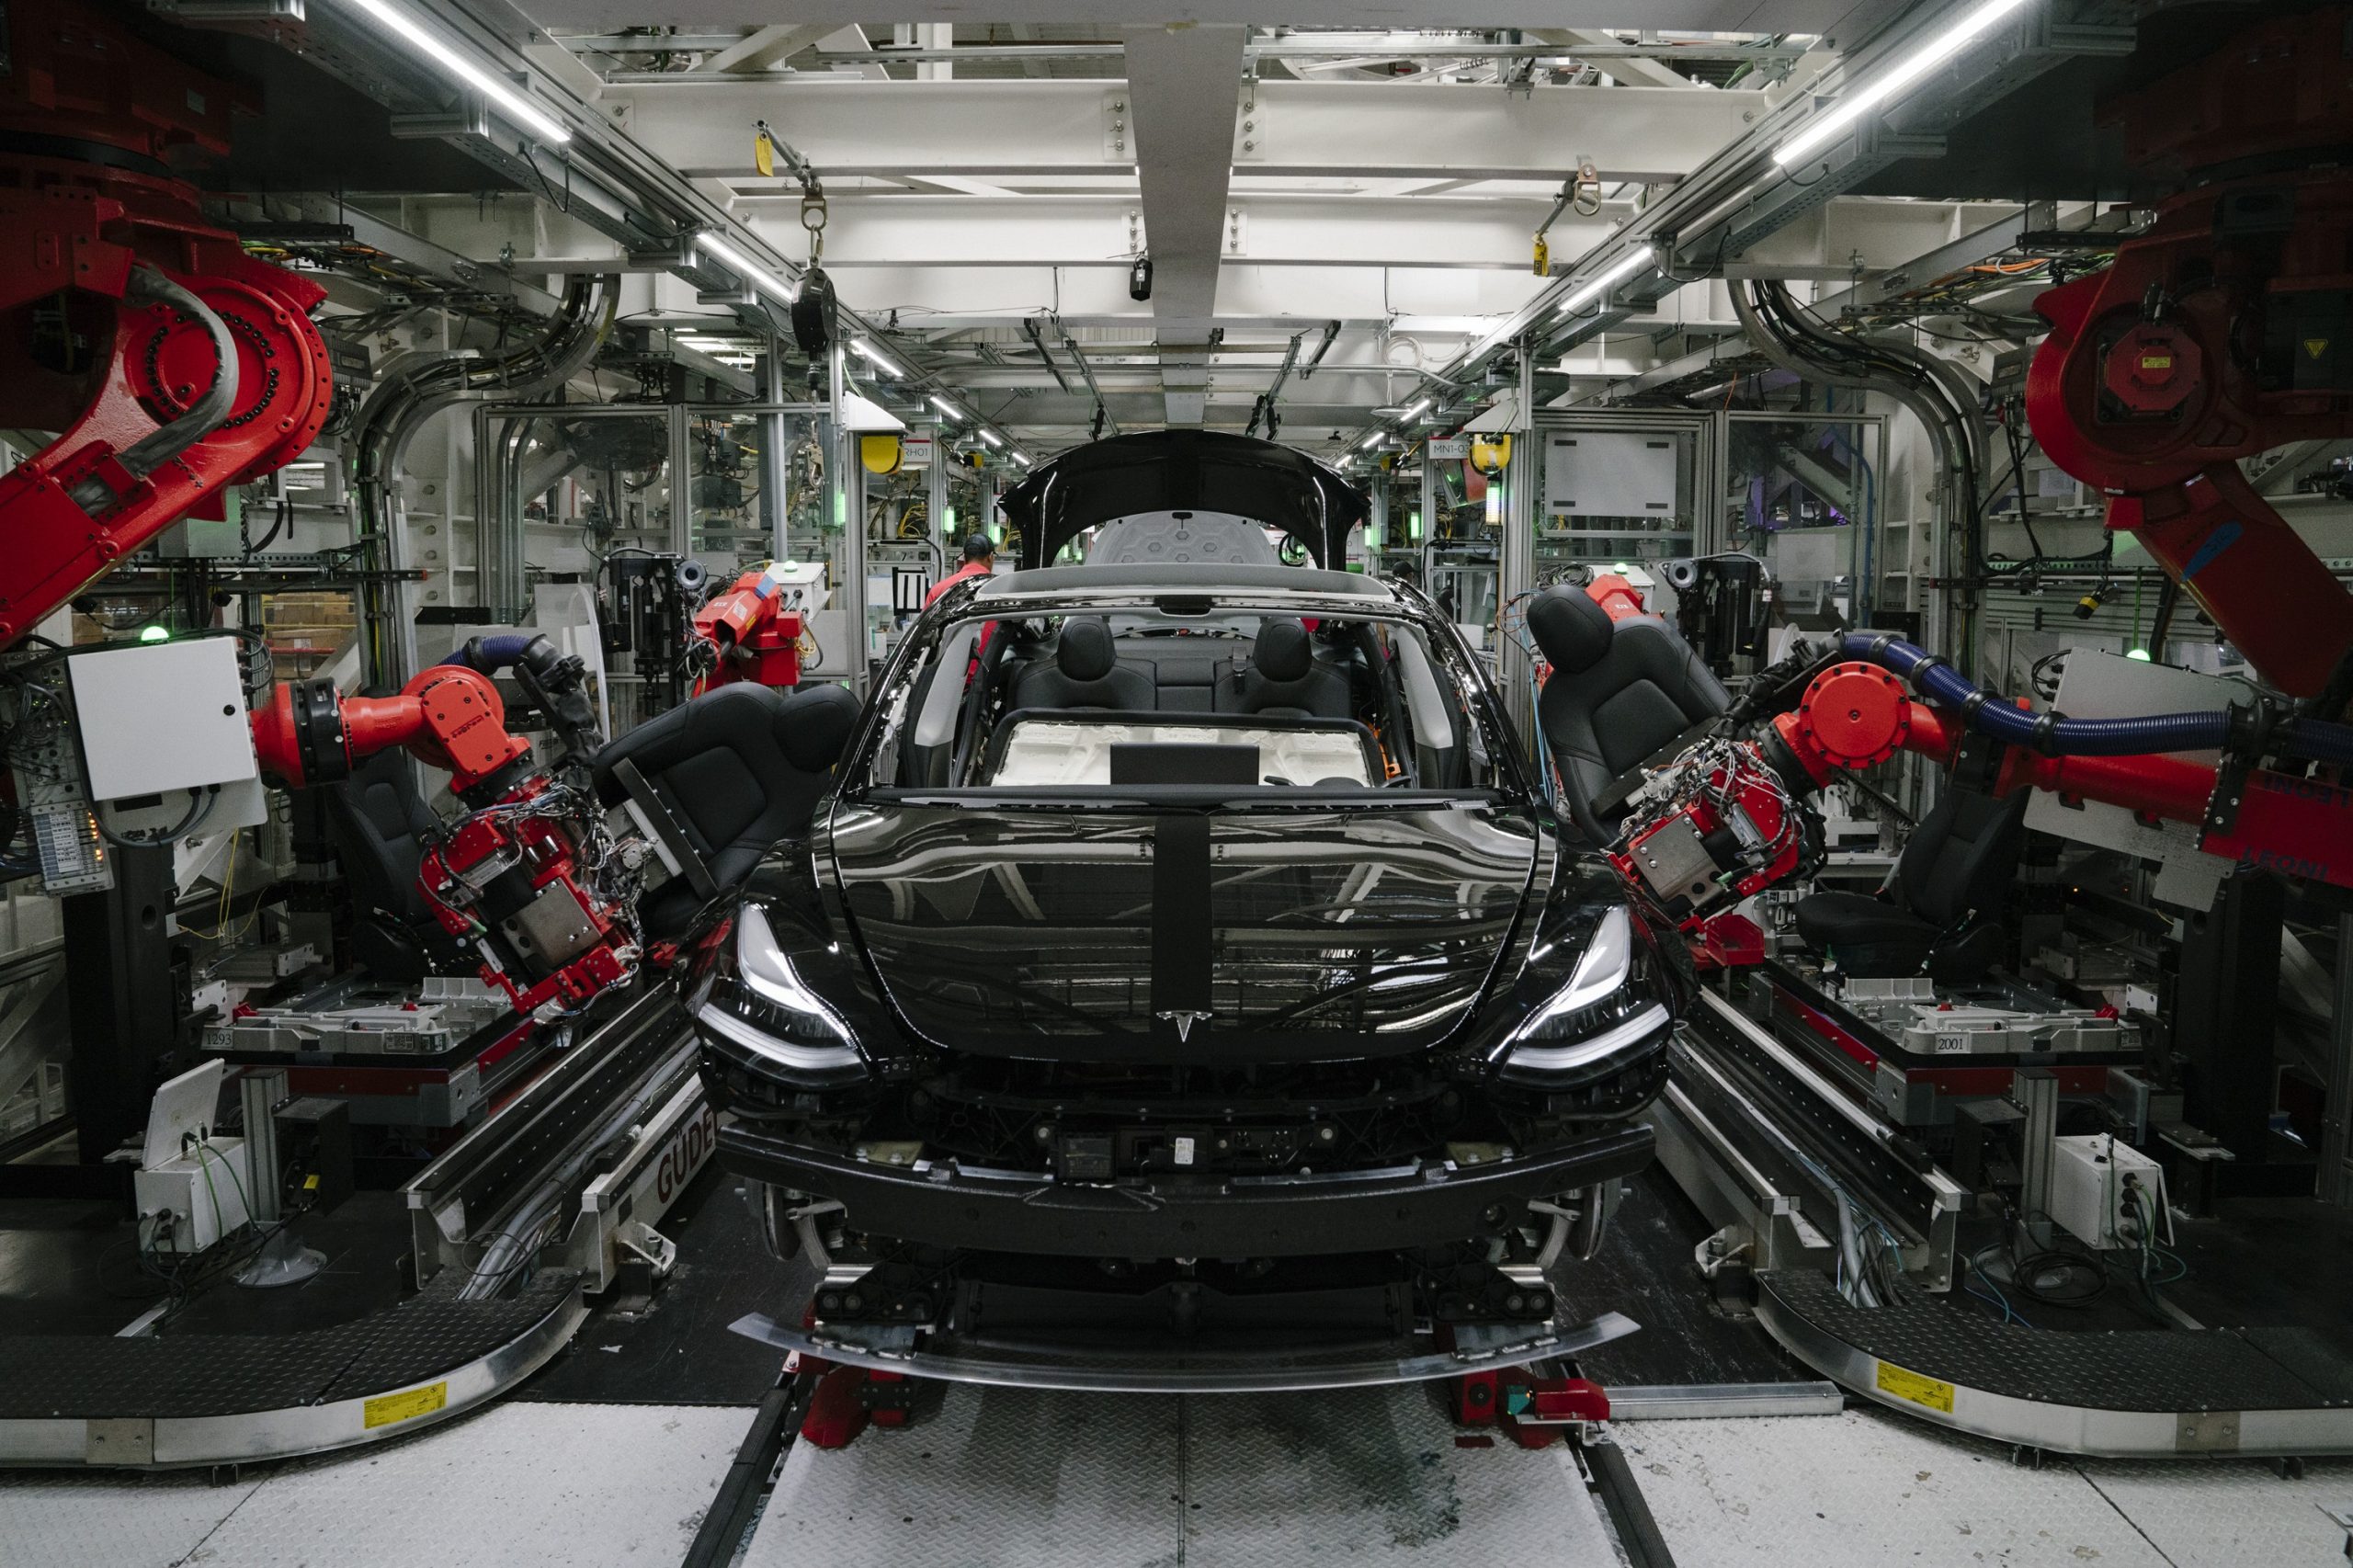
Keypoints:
pixel 1085 652
pixel 812 726
pixel 1572 630
pixel 1283 651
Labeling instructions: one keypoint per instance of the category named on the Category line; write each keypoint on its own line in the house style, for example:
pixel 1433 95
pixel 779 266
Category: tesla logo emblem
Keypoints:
pixel 1184 1022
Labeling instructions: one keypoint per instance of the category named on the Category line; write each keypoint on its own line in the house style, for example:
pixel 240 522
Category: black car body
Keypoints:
pixel 1204 967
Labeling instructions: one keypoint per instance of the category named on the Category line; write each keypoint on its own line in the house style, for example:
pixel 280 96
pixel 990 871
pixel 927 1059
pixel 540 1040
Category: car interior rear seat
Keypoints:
pixel 1086 671
pixel 1279 676
pixel 1284 678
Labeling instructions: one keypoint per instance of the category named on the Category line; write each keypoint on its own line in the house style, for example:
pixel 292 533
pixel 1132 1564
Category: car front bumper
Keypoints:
pixel 946 1205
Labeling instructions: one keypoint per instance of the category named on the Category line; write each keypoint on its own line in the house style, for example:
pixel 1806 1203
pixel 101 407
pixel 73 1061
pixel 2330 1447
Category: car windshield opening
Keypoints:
pixel 1133 694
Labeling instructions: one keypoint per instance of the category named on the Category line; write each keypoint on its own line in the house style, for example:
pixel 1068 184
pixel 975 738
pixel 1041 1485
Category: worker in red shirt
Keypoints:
pixel 980 559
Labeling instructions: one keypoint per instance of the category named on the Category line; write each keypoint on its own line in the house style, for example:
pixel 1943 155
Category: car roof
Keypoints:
pixel 1192 578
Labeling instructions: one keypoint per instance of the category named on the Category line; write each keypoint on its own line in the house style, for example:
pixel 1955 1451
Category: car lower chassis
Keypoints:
pixel 1011 1287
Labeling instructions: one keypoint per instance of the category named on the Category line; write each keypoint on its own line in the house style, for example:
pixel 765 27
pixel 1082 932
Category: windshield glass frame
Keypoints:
pixel 1490 738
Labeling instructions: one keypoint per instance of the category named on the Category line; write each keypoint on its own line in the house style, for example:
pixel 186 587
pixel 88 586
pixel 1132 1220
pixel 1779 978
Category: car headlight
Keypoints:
pixel 1597 1014
pixel 783 1019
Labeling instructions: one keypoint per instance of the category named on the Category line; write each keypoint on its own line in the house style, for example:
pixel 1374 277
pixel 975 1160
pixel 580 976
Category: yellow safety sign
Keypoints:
pixel 409 1404
pixel 1906 1385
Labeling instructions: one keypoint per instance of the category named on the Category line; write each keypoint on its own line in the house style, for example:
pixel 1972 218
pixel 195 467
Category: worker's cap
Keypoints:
pixel 977 548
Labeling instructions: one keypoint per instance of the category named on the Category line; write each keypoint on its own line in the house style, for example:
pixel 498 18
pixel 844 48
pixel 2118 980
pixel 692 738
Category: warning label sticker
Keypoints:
pixel 2315 347
pixel 1912 1386
pixel 387 1408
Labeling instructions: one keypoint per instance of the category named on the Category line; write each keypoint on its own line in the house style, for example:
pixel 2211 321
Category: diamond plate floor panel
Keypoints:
pixel 60 1520
pixel 2218 1513
pixel 1046 1479
pixel 1867 1489
pixel 583 1485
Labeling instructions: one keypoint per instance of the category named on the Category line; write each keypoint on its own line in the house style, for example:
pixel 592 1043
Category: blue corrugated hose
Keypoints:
pixel 495 652
pixel 2087 738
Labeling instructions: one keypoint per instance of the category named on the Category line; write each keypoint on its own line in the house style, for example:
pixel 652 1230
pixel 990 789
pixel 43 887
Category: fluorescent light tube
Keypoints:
pixel 945 407
pixel 1021 457
pixel 518 107
pixel 1415 412
pixel 758 277
pixel 882 363
pixel 991 437
pixel 1593 289
pixel 1375 439
pixel 1854 102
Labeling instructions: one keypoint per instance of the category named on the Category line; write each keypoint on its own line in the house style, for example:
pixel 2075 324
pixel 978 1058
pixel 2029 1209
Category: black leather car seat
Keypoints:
pixel 376 821
pixel 1621 693
pixel 1943 912
pixel 1085 672
pixel 1283 679
pixel 738 769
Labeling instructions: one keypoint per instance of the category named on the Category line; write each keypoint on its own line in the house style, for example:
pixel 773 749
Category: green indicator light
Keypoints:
pixel 948 513
pixel 1413 525
pixel 2139 653
pixel 163 634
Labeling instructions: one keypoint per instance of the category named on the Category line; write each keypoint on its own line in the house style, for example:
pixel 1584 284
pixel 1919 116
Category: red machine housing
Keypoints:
pixel 744 634
pixel 509 879
pixel 76 358
pixel 1716 825
pixel 2218 334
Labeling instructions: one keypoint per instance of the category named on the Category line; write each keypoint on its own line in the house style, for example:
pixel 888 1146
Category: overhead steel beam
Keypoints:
pixel 1740 197
pixel 1739 17
pixel 1094 231
pixel 1560 49
pixel 764 47
pixel 1010 128
pixel 1185 86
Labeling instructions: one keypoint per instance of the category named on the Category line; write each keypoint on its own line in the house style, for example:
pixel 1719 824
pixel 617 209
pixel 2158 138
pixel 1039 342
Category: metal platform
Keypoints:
pixel 1047 1478
pixel 182 1400
pixel 2122 1394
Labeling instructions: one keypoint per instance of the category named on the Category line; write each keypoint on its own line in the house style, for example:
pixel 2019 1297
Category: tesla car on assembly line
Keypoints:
pixel 1185 977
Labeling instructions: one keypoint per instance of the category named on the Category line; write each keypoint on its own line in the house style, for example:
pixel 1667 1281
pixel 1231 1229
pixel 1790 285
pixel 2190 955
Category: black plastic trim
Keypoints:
pixel 1183 1218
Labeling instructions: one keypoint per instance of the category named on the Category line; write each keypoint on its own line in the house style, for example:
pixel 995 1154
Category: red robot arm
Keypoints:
pixel 159 422
pixel 2210 339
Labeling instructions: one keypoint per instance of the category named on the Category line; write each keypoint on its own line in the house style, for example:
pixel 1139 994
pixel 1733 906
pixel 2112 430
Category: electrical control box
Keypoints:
pixel 188 1203
pixel 164 738
pixel 2106 1193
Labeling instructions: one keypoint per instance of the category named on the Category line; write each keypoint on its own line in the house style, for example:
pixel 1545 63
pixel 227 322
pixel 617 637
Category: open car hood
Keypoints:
pixel 1161 470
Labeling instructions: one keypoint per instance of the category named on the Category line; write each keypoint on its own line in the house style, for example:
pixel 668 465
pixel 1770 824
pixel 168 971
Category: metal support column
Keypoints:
pixel 120 999
pixel 2337 1140
pixel 2035 1090
pixel 775 460
pixel 1431 489
pixel 2225 1014
pixel 847 482
pixel 1376 525
pixel 936 503
pixel 1515 560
